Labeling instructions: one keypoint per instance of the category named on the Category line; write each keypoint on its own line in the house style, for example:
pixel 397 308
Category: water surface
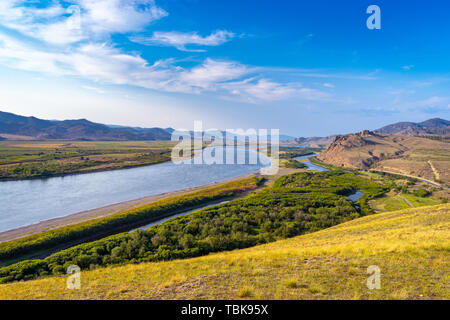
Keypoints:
pixel 28 202
pixel 311 166
pixel 355 196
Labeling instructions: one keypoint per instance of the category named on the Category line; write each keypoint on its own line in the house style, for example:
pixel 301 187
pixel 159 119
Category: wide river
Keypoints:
pixel 28 202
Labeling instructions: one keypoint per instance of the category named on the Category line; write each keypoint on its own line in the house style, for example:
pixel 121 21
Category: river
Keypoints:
pixel 311 166
pixel 27 202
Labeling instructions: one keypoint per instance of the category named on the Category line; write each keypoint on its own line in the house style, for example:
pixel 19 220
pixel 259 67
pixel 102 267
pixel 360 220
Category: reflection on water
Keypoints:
pixel 31 201
pixel 355 196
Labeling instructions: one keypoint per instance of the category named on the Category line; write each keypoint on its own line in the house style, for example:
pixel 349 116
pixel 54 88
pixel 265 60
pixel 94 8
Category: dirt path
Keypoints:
pixel 436 173
pixel 406 200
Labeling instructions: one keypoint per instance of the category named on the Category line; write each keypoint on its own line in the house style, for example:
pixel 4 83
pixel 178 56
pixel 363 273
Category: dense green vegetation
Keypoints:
pixel 56 238
pixel 338 182
pixel 297 204
pixel 421 193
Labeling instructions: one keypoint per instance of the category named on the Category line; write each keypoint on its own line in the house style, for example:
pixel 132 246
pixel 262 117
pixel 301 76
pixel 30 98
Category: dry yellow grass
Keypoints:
pixel 411 247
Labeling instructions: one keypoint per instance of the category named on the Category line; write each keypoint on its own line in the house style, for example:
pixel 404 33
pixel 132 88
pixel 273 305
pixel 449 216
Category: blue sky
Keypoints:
pixel 305 67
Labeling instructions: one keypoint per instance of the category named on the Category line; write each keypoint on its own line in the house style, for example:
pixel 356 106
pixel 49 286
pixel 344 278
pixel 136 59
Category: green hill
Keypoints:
pixel 410 247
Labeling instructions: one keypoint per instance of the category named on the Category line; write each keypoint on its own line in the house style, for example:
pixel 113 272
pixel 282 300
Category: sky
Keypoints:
pixel 306 67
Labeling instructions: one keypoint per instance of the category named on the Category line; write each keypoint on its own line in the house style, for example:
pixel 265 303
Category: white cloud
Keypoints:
pixel 21 56
pixel 98 90
pixel 83 20
pixel 88 52
pixel 253 91
pixel 179 40
pixel 434 100
pixel 106 64
pixel 408 67
pixel 212 72
pixel 328 85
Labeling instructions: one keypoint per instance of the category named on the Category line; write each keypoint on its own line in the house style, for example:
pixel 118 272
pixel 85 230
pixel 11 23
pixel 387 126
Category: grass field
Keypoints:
pixel 28 159
pixel 394 201
pixel 410 247
pixel 432 164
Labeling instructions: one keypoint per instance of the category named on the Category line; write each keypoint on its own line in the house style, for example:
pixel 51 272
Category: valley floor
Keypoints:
pixel 410 247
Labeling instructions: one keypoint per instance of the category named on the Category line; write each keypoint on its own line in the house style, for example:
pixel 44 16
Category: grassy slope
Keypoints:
pixel 394 201
pixel 410 246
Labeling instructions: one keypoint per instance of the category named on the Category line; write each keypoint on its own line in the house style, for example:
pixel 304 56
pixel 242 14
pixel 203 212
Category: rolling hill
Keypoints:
pixel 315 142
pixel 434 126
pixel 410 247
pixel 15 127
pixel 412 156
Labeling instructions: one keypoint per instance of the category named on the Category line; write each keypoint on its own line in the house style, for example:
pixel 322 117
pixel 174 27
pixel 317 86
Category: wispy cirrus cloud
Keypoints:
pixel 255 90
pixel 180 40
pixel 98 90
pixel 408 67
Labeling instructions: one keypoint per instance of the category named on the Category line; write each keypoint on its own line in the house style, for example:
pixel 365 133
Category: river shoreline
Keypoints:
pixel 102 212
pixel 68 174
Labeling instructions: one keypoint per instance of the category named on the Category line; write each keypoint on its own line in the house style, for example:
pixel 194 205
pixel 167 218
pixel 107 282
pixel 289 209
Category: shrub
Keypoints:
pixel 422 193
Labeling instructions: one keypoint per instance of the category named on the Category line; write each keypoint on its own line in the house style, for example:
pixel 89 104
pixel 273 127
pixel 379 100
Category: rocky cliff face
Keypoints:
pixel 360 150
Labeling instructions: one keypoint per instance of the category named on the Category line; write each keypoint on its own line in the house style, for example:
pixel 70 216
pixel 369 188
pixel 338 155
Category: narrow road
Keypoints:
pixel 435 184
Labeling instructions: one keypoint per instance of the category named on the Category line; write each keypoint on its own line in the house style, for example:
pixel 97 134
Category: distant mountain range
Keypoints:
pixel 434 126
pixel 15 127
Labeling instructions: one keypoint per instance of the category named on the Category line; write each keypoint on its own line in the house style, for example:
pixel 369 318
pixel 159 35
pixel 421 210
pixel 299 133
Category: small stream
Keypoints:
pixel 355 196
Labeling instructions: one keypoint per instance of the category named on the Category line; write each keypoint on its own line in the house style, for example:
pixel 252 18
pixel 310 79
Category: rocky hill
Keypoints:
pixel 15 127
pixel 413 156
pixel 361 150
